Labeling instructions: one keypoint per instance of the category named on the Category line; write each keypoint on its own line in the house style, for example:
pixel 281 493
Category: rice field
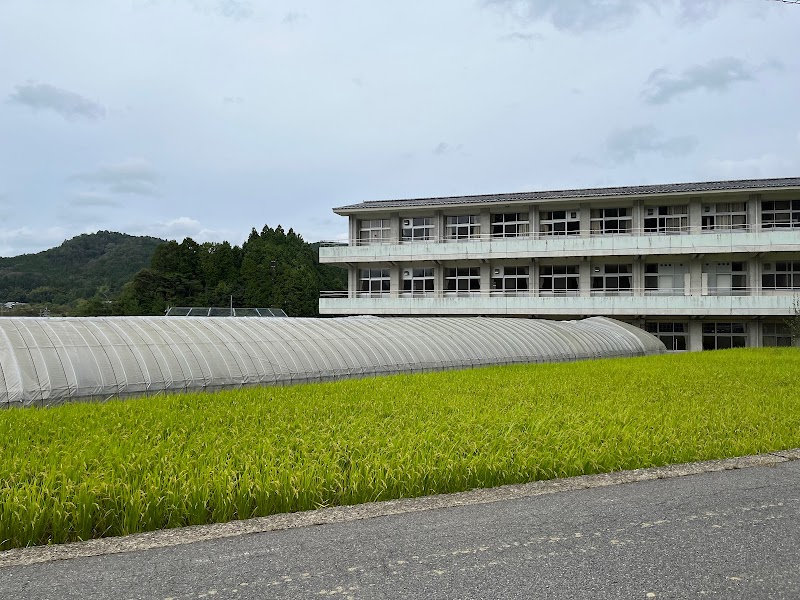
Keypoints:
pixel 82 471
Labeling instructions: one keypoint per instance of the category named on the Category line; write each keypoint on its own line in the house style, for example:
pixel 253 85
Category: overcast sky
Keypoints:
pixel 206 118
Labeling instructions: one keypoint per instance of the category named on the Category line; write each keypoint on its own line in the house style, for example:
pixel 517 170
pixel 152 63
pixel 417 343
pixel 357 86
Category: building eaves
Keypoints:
pixel 638 190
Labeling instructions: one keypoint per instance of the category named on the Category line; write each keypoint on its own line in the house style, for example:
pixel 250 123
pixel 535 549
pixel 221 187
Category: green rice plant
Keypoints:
pixel 82 471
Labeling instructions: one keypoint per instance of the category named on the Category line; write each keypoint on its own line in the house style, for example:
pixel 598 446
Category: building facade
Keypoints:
pixel 700 265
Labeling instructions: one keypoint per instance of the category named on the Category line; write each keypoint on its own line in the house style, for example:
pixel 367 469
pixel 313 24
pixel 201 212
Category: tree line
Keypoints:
pixel 272 269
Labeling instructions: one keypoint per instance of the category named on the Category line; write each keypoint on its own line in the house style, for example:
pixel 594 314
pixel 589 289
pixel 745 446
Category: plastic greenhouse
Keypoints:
pixel 46 361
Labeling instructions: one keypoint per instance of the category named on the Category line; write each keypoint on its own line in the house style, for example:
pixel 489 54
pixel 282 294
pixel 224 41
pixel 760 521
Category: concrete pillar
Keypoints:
pixel 352 281
pixel 585 215
pixel 638 276
pixel 395 281
pixel 695 214
pixel 754 276
pixel 753 333
pixel 533 221
pixel 485 220
pixel 695 335
pixel 352 232
pixel 533 278
pixel 438 281
pixel 696 277
pixel 438 226
pixel 585 278
pixel 486 280
pixel 754 211
pixel 394 228
pixel 637 218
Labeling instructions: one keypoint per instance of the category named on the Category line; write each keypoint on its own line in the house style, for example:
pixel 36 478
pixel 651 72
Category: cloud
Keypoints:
pixel 182 227
pixel 715 76
pixel 237 10
pixel 443 148
pixel 694 11
pixel 766 165
pixel 626 144
pixel 233 100
pixel 571 15
pixel 293 18
pixel 93 199
pixel 25 240
pixel 71 106
pixel 521 36
pixel 134 176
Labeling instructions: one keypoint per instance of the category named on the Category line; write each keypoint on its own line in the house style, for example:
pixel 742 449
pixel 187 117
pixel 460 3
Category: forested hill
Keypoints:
pixel 76 269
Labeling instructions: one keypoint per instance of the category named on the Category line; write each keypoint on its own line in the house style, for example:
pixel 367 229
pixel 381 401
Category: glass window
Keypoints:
pixel 782 275
pixel 776 334
pixel 612 280
pixel 462 227
pixel 724 215
pixel 674 335
pixel 373 282
pixel 509 224
pixel 665 279
pixel 373 231
pixel 726 278
pixel 418 282
pixel 462 280
pixel 666 219
pixel 780 213
pixel 719 336
pixel 558 280
pixel 610 220
pixel 510 280
pixel 417 229
pixel 560 222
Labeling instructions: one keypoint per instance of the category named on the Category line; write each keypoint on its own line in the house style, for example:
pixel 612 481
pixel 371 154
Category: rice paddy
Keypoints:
pixel 82 471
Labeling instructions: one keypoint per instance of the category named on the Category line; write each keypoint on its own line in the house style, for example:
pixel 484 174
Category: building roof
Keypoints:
pixel 636 190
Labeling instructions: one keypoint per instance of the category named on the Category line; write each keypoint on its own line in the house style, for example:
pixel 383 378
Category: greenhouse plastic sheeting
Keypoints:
pixel 46 361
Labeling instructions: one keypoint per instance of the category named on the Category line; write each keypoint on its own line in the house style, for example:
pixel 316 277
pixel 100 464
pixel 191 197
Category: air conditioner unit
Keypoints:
pixel 651 211
pixel 497 271
pixel 707 208
pixel 573 215
pixel 406 222
pixel 406 274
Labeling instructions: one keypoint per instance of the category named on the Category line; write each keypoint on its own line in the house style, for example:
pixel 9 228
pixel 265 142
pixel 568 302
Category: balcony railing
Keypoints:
pixel 582 233
pixel 540 293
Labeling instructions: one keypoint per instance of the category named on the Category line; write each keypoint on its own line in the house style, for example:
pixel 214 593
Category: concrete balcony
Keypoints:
pixel 496 248
pixel 772 303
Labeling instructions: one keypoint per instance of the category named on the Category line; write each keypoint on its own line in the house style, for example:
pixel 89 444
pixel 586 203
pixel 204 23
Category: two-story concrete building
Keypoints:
pixel 701 265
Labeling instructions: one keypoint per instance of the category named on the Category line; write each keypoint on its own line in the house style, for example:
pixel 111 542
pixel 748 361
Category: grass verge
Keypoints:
pixel 80 471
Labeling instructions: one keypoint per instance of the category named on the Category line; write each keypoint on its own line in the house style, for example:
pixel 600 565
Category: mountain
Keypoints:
pixel 76 269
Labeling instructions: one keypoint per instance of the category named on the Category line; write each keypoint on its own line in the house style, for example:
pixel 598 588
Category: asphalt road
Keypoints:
pixel 728 534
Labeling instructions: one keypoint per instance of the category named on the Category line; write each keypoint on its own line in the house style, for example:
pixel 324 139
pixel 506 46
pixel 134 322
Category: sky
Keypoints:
pixel 207 118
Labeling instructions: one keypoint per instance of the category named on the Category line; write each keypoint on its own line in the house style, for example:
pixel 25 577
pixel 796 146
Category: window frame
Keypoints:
pixel 517 274
pixel 559 280
pixel 419 282
pixel 713 213
pixel 666 219
pixel 462 281
pixel 609 221
pixel 419 229
pixel 379 278
pixel 376 234
pixel 770 211
pixel 714 334
pixel 609 280
pixel 551 223
pixel 511 224
pixel 457 229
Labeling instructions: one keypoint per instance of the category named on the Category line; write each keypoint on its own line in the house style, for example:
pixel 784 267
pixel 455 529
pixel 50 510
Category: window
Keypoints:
pixel 373 231
pixel 418 282
pixel 612 280
pixel 417 229
pixel 558 279
pixel 781 276
pixel 509 224
pixel 373 282
pixel 726 278
pixel 463 227
pixel 559 222
pixel 780 213
pixel 462 280
pixel 610 220
pixel 665 279
pixel 666 219
pixel 776 334
pixel 673 335
pixel 512 281
pixel 718 336
pixel 724 215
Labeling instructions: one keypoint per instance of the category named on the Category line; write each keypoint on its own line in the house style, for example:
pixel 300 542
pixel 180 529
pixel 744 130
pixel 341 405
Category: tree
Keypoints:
pixel 793 322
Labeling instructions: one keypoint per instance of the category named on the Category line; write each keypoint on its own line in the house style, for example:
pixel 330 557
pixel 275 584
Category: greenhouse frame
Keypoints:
pixel 48 361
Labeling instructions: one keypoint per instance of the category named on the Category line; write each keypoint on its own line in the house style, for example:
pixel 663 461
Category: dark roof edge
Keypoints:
pixel 638 190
